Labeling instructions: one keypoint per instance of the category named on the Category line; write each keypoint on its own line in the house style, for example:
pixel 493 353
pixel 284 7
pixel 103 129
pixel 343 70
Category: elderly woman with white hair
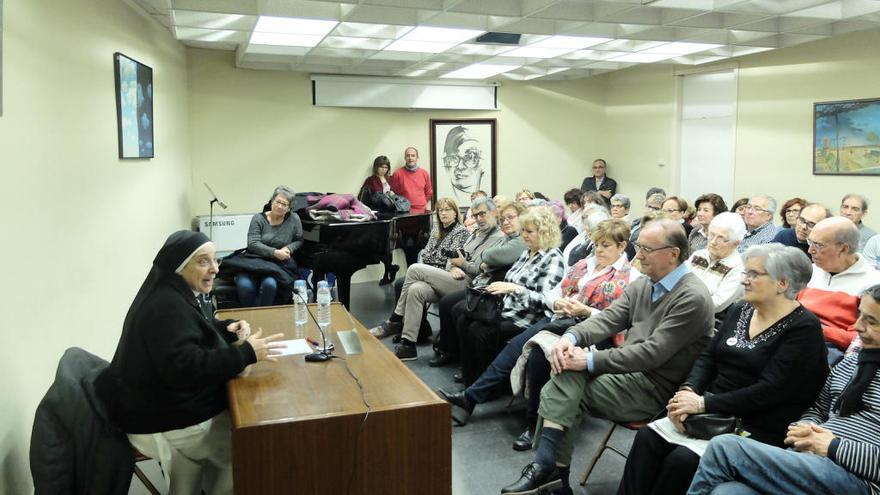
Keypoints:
pixel 764 366
pixel 719 265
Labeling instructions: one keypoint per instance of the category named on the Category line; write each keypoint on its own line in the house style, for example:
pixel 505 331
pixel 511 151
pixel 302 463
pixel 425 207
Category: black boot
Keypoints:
pixel 462 407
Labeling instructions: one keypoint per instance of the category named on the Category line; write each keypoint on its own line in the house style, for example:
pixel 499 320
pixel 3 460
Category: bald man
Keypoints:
pixel 840 275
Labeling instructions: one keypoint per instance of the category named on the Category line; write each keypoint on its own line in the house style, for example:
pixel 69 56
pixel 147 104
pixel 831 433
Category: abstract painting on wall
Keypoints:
pixel 134 107
pixel 846 137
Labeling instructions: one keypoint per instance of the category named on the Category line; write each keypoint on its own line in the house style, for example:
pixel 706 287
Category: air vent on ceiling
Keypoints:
pixel 499 38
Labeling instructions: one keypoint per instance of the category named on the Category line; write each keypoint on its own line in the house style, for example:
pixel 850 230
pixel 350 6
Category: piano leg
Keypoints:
pixel 343 288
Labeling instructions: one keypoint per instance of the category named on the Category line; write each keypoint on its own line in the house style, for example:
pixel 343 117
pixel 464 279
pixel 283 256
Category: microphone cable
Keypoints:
pixel 360 385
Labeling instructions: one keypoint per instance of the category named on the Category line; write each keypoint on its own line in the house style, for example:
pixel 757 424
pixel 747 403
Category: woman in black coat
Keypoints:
pixel 165 387
pixel 765 366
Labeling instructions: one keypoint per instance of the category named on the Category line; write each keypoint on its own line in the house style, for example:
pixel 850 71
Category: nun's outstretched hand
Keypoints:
pixel 265 348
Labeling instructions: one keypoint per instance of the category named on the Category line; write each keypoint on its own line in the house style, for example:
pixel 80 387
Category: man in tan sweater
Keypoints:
pixel 668 318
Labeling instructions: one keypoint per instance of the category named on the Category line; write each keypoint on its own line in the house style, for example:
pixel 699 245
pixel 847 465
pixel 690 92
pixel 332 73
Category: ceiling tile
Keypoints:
pixel 210 35
pixel 213 20
pixel 362 30
pixel 354 43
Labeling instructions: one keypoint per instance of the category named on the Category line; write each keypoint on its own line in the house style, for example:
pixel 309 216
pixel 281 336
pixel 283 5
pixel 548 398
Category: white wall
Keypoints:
pixel 252 130
pixel 775 95
pixel 82 226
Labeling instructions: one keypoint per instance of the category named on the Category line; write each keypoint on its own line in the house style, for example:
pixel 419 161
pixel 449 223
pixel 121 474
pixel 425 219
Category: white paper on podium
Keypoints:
pixel 291 347
pixel 665 429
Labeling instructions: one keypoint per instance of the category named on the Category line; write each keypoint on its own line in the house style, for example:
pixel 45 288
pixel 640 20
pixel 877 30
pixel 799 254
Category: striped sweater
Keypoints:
pixel 835 299
pixel 857 446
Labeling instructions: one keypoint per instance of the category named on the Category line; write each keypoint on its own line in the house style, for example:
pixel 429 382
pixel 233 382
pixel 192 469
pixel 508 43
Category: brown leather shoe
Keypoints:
pixel 386 329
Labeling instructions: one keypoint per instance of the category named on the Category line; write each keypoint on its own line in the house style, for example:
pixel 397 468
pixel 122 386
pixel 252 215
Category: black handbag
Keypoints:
pixel 482 306
pixel 401 204
pixel 707 425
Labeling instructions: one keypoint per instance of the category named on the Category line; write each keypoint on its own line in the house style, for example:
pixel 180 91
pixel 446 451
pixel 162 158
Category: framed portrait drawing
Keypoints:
pixel 846 137
pixel 463 158
pixel 134 107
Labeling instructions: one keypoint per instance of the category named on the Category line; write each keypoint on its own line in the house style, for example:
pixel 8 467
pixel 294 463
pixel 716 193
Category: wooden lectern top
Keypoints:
pixel 292 389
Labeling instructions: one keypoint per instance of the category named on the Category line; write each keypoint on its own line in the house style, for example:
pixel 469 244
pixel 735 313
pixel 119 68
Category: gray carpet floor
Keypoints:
pixel 483 460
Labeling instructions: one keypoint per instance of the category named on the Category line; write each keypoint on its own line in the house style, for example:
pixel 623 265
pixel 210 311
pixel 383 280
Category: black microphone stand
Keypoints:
pixel 323 354
pixel 211 210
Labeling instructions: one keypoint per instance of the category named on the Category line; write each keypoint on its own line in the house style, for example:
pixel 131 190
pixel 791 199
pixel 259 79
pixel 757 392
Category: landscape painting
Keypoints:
pixel 846 137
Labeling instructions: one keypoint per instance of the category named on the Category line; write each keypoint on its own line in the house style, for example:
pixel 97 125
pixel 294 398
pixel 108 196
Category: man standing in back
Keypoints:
pixel 413 182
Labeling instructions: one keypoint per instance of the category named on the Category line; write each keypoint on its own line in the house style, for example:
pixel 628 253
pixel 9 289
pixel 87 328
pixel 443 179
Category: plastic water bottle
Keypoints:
pixel 300 310
pixel 324 299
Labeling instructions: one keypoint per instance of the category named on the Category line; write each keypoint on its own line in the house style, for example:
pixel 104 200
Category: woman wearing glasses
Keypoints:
pixel 765 366
pixel 720 266
pixel 274 235
pixel 166 386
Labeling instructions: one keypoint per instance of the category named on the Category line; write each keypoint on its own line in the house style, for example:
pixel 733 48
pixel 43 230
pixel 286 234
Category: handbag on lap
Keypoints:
pixel 482 306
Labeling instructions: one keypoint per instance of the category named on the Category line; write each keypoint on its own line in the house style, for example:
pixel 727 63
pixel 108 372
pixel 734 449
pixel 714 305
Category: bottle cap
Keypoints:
pixel 322 284
pixel 299 283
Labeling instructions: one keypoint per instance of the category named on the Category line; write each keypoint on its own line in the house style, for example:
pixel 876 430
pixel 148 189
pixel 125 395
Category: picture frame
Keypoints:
pixel 463 158
pixel 846 137
pixel 134 107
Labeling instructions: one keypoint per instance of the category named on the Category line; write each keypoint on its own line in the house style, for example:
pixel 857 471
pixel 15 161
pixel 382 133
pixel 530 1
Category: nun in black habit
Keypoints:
pixel 165 387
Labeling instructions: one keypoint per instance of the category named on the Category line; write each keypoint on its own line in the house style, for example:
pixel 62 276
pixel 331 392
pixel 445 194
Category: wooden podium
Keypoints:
pixel 301 427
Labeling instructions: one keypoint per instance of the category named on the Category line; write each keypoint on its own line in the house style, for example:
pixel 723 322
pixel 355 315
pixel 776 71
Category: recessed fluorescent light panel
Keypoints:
pixel 290 31
pixel 480 71
pixel 425 39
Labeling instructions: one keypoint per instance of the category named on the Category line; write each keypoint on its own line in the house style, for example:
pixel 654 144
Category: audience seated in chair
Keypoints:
pixel 706 207
pixel 834 448
pixel 855 207
pixel 720 266
pixel 523 292
pixel 667 316
pixel 493 265
pixel 797 236
pixel 840 274
pixel 764 366
pixel 587 288
pixel 759 221
pixel 425 284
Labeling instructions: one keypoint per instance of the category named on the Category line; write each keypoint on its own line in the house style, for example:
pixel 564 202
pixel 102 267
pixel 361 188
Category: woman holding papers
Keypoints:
pixel 166 385
pixel 765 366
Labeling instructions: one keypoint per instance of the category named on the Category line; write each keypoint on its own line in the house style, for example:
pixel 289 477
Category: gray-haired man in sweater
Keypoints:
pixel 667 316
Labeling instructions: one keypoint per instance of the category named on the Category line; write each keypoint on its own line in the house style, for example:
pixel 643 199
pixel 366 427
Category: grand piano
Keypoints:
pixel 343 248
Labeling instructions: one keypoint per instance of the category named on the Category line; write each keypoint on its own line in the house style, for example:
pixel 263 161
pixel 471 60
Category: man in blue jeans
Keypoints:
pixel 835 447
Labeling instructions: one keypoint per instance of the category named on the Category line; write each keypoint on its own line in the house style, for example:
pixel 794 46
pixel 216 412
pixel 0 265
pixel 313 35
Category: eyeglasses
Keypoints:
pixel 445 210
pixel 673 210
pixel 470 159
pixel 792 211
pixel 818 246
pixel 718 238
pixel 207 262
pixel 648 250
pixel 480 214
pixel 652 207
pixel 809 225
pixel 281 204
pixel 752 275
pixel 757 208
pixel 508 218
